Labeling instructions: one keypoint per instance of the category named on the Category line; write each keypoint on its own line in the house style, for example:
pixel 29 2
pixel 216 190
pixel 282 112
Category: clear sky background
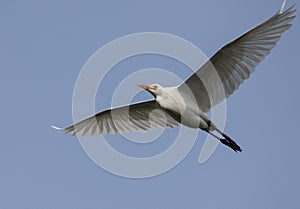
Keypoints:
pixel 43 46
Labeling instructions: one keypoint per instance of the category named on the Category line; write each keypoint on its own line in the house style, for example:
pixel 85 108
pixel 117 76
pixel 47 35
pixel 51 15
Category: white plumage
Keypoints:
pixel 188 103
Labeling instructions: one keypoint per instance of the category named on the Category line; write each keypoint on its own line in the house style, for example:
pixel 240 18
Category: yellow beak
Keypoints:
pixel 143 86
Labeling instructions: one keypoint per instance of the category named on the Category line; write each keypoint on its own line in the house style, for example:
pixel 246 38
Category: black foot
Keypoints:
pixel 230 143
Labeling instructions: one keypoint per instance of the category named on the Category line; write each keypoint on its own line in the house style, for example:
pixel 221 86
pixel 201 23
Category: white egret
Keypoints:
pixel 189 102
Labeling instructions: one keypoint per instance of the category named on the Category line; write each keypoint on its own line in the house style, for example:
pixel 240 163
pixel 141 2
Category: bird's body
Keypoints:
pixel 174 100
pixel 188 103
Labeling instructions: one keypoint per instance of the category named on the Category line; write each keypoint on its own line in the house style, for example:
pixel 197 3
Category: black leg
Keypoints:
pixel 230 143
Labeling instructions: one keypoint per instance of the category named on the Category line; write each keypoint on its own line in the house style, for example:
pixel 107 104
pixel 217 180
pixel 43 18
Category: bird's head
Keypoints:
pixel 154 89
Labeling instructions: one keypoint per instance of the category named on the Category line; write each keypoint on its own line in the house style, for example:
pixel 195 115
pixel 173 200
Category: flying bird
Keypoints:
pixel 189 102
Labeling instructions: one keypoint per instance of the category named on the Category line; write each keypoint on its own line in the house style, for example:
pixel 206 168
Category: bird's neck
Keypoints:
pixel 167 100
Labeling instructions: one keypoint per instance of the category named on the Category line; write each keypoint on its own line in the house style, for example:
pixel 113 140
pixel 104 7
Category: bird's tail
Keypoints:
pixel 230 143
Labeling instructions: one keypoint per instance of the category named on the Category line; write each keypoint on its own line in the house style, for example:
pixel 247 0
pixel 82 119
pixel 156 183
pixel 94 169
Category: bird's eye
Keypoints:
pixel 154 87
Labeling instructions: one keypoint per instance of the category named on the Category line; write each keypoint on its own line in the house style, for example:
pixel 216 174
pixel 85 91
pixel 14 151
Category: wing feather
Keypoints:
pixel 236 61
pixel 140 116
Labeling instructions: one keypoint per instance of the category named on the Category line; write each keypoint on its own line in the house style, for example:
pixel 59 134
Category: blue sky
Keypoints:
pixel 44 45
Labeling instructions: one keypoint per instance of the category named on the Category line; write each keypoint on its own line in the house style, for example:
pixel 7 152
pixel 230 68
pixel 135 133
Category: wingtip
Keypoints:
pixel 57 128
pixel 282 6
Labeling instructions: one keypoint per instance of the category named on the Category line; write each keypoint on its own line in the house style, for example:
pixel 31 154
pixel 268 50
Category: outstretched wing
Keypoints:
pixel 141 116
pixel 218 78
